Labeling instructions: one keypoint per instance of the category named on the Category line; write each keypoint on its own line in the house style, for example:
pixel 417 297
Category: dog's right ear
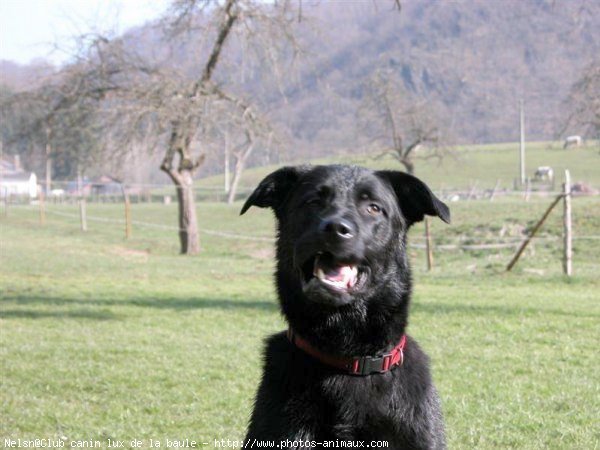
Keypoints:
pixel 273 190
pixel 414 197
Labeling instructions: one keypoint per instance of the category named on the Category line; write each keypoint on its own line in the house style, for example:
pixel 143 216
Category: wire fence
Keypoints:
pixel 143 224
pixel 447 243
pixel 492 240
pixel 110 200
pixel 114 192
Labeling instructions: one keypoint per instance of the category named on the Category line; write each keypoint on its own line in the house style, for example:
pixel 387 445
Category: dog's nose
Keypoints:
pixel 337 227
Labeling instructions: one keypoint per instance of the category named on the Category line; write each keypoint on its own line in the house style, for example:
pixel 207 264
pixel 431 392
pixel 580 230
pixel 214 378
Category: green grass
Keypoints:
pixel 466 165
pixel 106 338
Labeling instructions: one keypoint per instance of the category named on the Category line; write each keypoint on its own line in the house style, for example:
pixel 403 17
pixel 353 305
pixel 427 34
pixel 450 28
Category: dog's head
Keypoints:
pixel 341 237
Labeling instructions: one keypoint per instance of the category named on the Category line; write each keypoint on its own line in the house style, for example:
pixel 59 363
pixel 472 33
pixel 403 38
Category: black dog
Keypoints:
pixel 345 371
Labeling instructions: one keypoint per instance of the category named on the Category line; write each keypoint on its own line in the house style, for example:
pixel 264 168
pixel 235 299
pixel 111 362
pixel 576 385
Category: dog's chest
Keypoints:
pixel 370 407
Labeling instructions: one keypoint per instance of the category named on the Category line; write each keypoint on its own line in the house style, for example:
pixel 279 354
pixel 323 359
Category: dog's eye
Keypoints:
pixel 312 201
pixel 374 209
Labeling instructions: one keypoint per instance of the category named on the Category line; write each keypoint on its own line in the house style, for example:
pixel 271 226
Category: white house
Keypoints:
pixel 19 184
pixel 15 181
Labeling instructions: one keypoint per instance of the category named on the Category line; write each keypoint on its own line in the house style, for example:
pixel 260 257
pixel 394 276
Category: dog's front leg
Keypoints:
pixel 284 410
pixel 286 423
pixel 270 426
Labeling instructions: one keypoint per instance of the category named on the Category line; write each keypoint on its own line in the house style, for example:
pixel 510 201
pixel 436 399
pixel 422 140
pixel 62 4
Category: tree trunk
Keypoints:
pixel 188 224
pixel 183 178
pixel 48 161
pixel 237 175
pixel 182 133
pixel 408 165
pixel 240 161
pixel 227 183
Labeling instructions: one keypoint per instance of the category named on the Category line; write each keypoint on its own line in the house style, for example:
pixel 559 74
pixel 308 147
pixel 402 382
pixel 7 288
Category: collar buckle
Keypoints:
pixel 366 365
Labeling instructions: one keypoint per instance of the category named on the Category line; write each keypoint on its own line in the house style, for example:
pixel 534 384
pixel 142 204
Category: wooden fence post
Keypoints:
pixel 127 212
pixel 568 247
pixel 83 213
pixel 496 186
pixel 472 190
pixel 428 246
pixel 535 229
pixel 527 189
pixel 42 206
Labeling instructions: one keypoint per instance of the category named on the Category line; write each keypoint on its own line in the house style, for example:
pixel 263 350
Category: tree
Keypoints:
pixel 583 103
pixel 137 96
pixel 240 136
pixel 397 123
pixel 146 97
pixel 55 123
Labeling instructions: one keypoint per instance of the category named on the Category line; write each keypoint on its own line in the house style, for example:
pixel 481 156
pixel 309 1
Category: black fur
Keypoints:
pixel 300 398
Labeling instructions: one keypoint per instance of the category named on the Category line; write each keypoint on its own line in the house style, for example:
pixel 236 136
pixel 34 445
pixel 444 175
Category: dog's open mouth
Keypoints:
pixel 339 275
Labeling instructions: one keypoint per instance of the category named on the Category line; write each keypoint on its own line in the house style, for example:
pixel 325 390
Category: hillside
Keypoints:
pixel 469 62
pixel 472 61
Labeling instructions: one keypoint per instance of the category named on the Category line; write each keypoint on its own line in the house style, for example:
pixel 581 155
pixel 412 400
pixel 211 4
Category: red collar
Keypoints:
pixel 359 365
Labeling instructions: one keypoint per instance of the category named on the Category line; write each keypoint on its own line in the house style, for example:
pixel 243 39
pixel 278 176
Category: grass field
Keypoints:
pixel 102 337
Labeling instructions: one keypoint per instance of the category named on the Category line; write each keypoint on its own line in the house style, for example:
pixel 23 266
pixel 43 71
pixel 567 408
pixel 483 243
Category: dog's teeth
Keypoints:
pixel 321 275
pixel 337 284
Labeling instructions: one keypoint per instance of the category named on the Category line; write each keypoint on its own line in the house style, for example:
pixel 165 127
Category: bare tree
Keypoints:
pixel 250 15
pixel 240 136
pixel 398 123
pixel 583 103
pixel 147 96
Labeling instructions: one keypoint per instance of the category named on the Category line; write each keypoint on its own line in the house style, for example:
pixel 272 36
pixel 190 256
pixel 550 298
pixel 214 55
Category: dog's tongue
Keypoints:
pixel 342 276
pixel 338 273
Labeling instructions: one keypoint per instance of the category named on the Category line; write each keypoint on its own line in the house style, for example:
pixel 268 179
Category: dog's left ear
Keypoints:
pixel 414 197
pixel 273 190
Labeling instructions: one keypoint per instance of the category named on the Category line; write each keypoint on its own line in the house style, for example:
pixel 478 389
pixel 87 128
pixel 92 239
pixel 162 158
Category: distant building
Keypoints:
pixel 79 189
pixel 16 181
pixel 106 185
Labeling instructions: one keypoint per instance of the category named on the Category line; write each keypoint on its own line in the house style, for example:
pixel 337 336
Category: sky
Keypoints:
pixel 28 28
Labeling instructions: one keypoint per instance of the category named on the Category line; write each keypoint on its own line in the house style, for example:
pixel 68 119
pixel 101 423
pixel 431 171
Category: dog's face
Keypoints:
pixel 341 233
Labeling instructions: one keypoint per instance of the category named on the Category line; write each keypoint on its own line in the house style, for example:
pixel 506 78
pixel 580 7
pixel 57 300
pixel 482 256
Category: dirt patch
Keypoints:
pixel 263 253
pixel 131 254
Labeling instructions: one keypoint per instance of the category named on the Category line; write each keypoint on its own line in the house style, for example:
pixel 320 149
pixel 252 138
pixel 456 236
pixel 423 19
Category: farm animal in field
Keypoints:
pixel 544 173
pixel 345 371
pixel 572 141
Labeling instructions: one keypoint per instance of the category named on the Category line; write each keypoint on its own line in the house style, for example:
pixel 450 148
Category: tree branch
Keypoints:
pixel 229 18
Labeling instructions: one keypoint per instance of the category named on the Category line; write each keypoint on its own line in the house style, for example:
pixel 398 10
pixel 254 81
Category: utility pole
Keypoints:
pixel 1 156
pixel 522 145
pixel 568 229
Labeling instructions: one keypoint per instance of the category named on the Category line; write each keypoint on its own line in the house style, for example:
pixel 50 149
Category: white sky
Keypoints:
pixel 29 27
